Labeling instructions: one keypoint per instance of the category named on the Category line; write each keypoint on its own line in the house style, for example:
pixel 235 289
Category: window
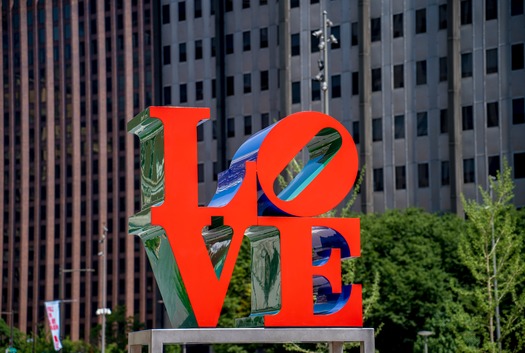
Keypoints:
pixel 229 44
pixel 516 7
pixel 398 25
pixel 213 88
pixel 296 92
pixel 230 127
pixel 166 55
pixel 355 34
pixel 182 11
pixel 183 93
pixel 314 43
pixel 336 86
pixel 246 41
pixel 214 129
pixel 519 165
pixel 377 129
pixel 247 83
pixel 212 46
pixel 399 81
pixel 445 173
pixel 401 180
pixel 466 65
pixel 375 26
pixel 421 72
pixel 491 9
pixel 442 21
pixel 378 179
pixel 517 56
pixel 421 21
pixel 228 5
pixel 355 131
pixel 494 165
pixel 197 8
pixel 443 121
pixel 165 14
pixel 492 114
pixel 316 90
pixel 264 80
pixel 468 170
pixel 422 124
pixel 355 83
pixel 263 38
pixel 248 125
pixel 399 127
pixel 199 90
pixel 491 56
pixel 443 69
pixel 466 12
pixel 198 49
pixel 167 95
pixel 336 32
pixel 200 132
pixel 245 4
pixel 467 118
pixel 200 172
pixel 230 86
pixel 182 52
pixel 518 111
pixel 295 44
pixel 294 3
pixel 376 80
pixel 265 120
pixel 422 175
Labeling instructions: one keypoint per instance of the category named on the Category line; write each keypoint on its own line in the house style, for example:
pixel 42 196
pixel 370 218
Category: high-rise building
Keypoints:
pixel 432 92
pixel 73 72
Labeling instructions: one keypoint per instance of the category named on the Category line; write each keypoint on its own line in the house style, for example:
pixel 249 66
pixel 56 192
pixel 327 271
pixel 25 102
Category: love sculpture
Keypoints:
pixel 193 249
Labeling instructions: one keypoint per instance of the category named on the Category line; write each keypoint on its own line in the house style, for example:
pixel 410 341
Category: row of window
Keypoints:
pixel 469 172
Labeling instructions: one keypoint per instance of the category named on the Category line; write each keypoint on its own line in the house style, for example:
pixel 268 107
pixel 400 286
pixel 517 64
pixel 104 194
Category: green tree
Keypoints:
pixel 492 250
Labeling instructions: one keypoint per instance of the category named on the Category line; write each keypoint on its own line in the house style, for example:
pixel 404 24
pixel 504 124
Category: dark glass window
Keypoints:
pixel 165 14
pixel 182 11
pixel 247 83
pixel 468 171
pixel 314 43
pixel 355 131
pixel 355 34
pixel 466 65
pixel 377 129
pixel 182 52
pixel 230 127
pixel 467 118
pixel 167 95
pixel 491 56
pixel 442 22
pixel 355 83
pixel 422 175
pixel 229 44
pixel 516 7
pixel 199 90
pixel 443 121
pixel 492 114
pixel 517 56
pixel 399 127
pixel 183 93
pixel 212 46
pixel 421 21
pixel 197 8
pixel 294 3
pixel 245 4
pixel 296 92
pixel 421 72
pixel 263 38
pixel 445 173
pixel 375 26
pixel 264 80
pixel 228 5
pixel 398 25
pixel 376 80
pixel 198 49
pixel 491 9
pixel 200 132
pixel 166 55
pixel 316 90
pixel 246 41
pixel 443 69
pixel 336 32
pixel 466 12
pixel 519 165
pixel 401 180
pixel 200 172
pixel 295 44
pixel 230 86
pixel 378 179
pixel 336 86
pixel 422 124
pixel 399 80
pixel 494 165
pixel 518 111
pixel 265 120
pixel 248 125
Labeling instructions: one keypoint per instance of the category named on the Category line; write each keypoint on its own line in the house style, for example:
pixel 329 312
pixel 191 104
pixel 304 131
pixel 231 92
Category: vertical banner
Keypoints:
pixel 53 316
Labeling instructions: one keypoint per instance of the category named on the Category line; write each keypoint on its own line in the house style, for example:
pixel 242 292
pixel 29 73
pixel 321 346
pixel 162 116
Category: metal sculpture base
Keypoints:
pixel 335 337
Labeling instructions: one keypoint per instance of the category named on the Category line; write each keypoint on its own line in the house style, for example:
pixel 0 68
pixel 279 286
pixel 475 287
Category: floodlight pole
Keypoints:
pixel 104 310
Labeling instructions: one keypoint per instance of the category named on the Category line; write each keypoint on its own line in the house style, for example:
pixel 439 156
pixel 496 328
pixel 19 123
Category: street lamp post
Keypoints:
pixel 425 334
pixel 10 313
pixel 324 40
pixel 495 268
pixel 104 310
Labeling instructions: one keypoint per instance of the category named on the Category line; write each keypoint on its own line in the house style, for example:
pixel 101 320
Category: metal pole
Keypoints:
pixel 495 271
pixel 324 83
pixel 103 311
pixel 426 344
pixel 61 301
pixel 10 313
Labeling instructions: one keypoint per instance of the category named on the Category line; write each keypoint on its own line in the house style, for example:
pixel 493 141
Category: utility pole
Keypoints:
pixel 324 40
pixel 104 310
